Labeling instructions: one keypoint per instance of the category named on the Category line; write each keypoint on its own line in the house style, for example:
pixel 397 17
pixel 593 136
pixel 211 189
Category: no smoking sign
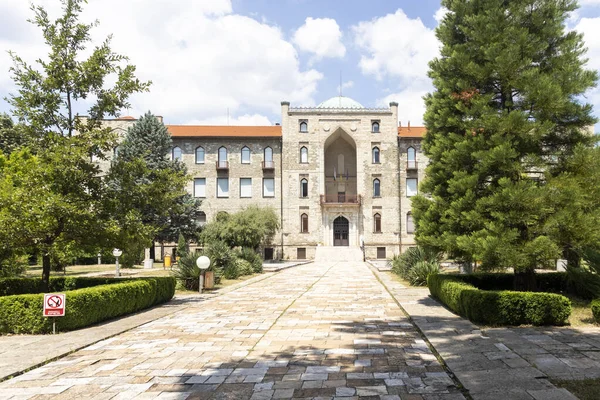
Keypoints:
pixel 54 305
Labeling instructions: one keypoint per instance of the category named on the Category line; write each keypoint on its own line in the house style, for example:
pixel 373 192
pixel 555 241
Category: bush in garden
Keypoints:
pixel 596 310
pixel 252 257
pixel 187 272
pixel 417 275
pixel 405 262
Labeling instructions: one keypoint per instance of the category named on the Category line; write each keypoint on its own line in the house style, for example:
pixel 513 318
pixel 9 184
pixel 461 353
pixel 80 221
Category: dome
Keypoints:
pixel 340 102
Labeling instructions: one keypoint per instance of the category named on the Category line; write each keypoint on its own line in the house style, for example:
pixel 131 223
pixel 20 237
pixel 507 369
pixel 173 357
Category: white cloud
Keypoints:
pixel 411 106
pixel 201 57
pixel 242 120
pixel 321 37
pixel 399 49
pixel 395 45
pixel 590 28
pixel 440 14
pixel 589 2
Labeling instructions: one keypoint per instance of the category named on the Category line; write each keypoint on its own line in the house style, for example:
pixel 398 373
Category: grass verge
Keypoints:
pixel 587 389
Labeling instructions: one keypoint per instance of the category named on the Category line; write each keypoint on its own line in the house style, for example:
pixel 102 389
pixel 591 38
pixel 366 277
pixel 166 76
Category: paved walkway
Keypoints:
pixel 315 331
pixel 502 363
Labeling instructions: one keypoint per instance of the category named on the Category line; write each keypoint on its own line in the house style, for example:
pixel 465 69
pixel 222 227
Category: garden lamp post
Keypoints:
pixel 117 253
pixel 203 263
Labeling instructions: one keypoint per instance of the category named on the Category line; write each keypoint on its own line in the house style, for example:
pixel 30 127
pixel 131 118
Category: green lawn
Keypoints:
pixel 106 269
pixel 582 313
pixel 587 389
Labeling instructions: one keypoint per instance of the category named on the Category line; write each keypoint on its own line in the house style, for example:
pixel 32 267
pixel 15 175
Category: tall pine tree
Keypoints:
pixel 173 212
pixel 506 115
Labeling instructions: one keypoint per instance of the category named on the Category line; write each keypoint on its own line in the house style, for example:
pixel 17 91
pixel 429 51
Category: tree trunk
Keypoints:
pixel 46 269
pixel 573 259
pixel 152 251
pixel 525 281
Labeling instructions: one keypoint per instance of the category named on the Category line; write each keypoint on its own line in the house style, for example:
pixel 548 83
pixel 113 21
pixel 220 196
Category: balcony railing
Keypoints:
pixel 411 165
pixel 350 199
pixel 222 165
pixel 268 165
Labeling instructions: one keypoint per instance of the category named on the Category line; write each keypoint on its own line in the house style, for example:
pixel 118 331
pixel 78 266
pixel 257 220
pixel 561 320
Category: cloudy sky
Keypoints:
pixel 210 57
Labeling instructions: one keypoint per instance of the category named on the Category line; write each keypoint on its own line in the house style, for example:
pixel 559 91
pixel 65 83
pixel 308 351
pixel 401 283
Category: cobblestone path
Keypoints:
pixel 316 331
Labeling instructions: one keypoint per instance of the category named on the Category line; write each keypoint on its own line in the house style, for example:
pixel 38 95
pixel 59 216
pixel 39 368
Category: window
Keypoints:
pixel 269 157
pixel 375 155
pixel 410 156
pixel 410 224
pixel 301 253
pixel 269 187
pixel 303 155
pixel 245 187
pixel 200 155
pixel 200 187
pixel 376 188
pixel 375 126
pixel 222 187
pixel 377 223
pixel 381 252
pixel 202 218
pixel 177 153
pixel 411 187
pixel 222 157
pixel 245 155
pixel 304 188
pixel 303 126
pixel 304 223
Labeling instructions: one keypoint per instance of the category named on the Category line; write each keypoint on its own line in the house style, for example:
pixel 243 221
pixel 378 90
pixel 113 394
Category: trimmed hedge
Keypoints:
pixel 13 286
pixel 84 307
pixel 554 282
pixel 499 307
pixel 596 309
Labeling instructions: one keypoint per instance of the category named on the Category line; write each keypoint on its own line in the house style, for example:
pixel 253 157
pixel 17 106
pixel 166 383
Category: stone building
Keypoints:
pixel 338 174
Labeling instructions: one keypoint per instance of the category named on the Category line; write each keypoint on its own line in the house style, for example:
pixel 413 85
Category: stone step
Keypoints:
pixel 338 253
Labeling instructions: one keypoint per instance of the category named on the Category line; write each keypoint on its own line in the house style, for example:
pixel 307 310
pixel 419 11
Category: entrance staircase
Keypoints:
pixel 338 253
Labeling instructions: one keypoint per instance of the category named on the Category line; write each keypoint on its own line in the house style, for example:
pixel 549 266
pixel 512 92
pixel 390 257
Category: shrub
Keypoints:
pixel 244 267
pixel 221 257
pixel 14 286
pixel 555 282
pixel 405 262
pixel 417 275
pixel 596 309
pixel 584 283
pixel 84 307
pixel 252 257
pixel 499 307
pixel 12 265
pixel 186 272
pixel 232 271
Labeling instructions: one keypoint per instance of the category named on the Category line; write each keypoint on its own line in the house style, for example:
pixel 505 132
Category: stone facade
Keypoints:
pixel 335 160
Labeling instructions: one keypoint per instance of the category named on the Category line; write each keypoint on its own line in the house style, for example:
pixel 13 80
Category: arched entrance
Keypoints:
pixel 341 229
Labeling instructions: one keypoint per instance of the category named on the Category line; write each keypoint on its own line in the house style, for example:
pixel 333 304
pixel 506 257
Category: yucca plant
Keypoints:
pixel 186 272
pixel 417 275
pixel 405 262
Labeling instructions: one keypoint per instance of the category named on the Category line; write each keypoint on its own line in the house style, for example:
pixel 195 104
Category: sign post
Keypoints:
pixel 117 253
pixel 54 306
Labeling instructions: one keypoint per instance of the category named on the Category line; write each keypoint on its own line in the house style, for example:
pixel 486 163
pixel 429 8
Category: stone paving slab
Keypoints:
pixel 502 363
pixel 314 331
pixel 22 352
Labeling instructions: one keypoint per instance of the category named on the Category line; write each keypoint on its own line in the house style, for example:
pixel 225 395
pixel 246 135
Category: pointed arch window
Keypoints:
pixel 222 162
pixel 245 155
pixel 304 126
pixel 202 218
pixel 377 223
pixel 200 155
pixel 411 158
pixel 410 224
pixel 303 155
pixel 304 188
pixel 376 155
pixel 375 126
pixel 304 223
pixel 376 188
pixel 177 154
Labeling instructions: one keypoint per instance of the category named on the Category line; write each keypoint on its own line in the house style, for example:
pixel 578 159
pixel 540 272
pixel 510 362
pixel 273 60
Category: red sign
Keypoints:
pixel 54 305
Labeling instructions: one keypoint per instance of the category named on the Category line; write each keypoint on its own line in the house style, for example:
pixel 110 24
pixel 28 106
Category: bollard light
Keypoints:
pixel 117 253
pixel 202 263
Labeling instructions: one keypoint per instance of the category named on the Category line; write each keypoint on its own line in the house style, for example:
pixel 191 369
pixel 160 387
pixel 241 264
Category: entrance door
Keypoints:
pixel 340 231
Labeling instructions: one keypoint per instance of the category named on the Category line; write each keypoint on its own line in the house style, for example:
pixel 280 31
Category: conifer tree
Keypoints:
pixel 148 141
pixel 506 114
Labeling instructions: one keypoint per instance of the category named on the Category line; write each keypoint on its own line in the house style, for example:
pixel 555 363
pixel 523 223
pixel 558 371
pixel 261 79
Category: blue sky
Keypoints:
pixel 208 59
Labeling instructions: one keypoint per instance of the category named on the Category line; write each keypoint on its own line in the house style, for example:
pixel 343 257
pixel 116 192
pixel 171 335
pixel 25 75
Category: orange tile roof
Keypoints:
pixel 224 131
pixel 412 132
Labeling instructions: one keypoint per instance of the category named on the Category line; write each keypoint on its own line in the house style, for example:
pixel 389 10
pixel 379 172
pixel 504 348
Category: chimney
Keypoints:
pixel 409 125
pixel 400 124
